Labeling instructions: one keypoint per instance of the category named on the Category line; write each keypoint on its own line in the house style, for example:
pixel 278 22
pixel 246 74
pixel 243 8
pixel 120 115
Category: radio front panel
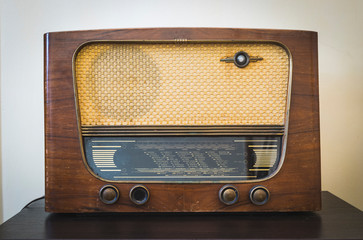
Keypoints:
pixel 181 120
pixel 181 88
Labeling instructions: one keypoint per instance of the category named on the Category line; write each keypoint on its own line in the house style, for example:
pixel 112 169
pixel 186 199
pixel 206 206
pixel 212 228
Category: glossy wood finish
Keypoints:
pixel 71 188
pixel 336 220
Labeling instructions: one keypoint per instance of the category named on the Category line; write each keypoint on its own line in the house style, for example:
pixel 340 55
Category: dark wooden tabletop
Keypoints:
pixel 337 220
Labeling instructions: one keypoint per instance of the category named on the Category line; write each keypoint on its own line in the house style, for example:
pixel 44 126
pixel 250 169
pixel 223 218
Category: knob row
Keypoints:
pixel 228 194
pixel 259 195
pixel 138 194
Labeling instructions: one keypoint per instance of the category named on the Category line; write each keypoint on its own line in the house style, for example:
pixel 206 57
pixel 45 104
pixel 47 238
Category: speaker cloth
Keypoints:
pixel 168 83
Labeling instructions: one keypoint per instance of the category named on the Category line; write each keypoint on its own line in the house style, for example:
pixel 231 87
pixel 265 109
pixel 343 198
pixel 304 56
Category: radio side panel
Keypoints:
pixel 70 187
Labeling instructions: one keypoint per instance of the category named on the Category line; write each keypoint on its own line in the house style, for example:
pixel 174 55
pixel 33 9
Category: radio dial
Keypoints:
pixel 139 194
pixel 259 195
pixel 109 194
pixel 228 194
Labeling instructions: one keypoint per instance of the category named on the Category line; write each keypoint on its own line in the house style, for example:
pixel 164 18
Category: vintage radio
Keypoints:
pixel 182 120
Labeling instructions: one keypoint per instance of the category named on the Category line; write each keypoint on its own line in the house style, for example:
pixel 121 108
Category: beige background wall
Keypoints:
pixel 23 23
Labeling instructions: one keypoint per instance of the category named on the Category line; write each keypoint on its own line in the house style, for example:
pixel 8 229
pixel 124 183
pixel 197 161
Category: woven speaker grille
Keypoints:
pixel 145 83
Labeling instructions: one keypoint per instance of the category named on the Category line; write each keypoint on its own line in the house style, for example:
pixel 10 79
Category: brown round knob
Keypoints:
pixel 259 195
pixel 228 194
pixel 109 194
